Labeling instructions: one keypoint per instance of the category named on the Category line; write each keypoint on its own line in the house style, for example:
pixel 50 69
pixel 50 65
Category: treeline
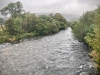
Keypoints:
pixel 87 29
pixel 23 24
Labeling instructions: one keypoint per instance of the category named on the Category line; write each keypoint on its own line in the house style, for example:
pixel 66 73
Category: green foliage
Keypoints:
pixel 4 11
pixel 62 21
pixel 51 15
pixel 14 26
pixel 79 31
pixel 3 38
pixel 9 26
pixel 13 9
pixel 88 18
pixel 29 22
pixel 90 34
pixel 48 24
pixel 83 25
pixel 42 25
pixel 87 29
pixel 21 25
pixel 18 25
pixel 94 38
pixel 1 32
pixel 54 26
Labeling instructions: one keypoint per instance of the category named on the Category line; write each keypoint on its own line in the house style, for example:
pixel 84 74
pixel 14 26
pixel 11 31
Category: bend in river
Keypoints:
pixel 58 54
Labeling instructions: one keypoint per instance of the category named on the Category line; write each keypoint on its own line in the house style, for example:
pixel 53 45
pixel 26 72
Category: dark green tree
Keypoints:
pixel 13 9
pixel 9 26
pixel 62 21
pixel 29 23
pixel 82 26
pixel 17 26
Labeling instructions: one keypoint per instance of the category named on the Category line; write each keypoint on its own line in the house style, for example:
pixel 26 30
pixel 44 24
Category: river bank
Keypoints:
pixel 58 54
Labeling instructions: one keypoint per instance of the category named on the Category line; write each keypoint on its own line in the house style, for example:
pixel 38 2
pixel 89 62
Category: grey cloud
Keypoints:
pixel 3 3
pixel 74 7
pixel 91 2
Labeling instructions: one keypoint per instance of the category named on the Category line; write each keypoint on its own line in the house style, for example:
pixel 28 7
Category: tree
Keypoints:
pixel 43 25
pixel 9 26
pixel 87 18
pixel 83 25
pixel 18 25
pixel 29 23
pixel 13 9
pixel 62 21
pixel 51 15
pixel 4 11
pixel 14 26
pixel 93 38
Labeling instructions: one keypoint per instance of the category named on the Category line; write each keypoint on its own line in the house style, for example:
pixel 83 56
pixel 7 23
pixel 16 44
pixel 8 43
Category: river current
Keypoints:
pixel 58 54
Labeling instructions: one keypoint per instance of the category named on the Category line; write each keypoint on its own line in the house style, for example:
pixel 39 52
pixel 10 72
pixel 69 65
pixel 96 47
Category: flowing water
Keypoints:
pixel 58 54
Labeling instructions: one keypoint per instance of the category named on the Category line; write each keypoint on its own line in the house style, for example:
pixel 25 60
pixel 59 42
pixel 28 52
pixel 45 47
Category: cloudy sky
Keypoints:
pixel 67 7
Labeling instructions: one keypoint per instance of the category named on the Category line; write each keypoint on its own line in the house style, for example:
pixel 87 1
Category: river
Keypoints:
pixel 58 54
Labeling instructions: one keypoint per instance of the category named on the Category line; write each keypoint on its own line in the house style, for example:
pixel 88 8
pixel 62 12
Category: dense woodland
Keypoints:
pixel 87 30
pixel 23 24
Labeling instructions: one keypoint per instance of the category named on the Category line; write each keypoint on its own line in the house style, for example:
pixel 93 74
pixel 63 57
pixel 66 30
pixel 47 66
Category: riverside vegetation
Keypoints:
pixel 23 24
pixel 87 30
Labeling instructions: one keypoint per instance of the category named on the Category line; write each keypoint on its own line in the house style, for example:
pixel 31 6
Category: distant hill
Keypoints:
pixel 69 17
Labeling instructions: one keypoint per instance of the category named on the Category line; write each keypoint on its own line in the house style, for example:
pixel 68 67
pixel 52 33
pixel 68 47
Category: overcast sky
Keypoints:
pixel 68 7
